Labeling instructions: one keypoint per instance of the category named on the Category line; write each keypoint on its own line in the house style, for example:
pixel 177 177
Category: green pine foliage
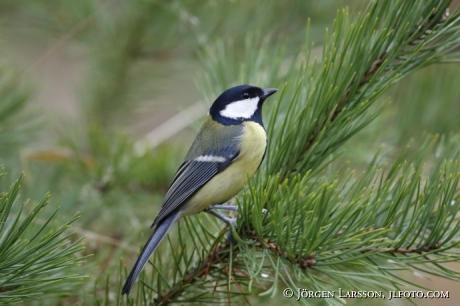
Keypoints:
pixel 343 231
pixel 327 229
pixel 37 258
pixel 329 208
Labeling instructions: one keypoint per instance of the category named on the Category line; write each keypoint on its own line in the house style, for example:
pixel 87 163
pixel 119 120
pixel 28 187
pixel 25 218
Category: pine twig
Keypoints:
pixel 219 252
pixel 404 251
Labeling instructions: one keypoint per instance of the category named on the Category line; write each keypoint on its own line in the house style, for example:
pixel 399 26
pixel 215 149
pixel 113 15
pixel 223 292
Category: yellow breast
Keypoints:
pixel 229 182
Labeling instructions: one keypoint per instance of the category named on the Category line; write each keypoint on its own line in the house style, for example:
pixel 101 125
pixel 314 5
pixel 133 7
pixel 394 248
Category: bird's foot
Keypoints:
pixel 231 222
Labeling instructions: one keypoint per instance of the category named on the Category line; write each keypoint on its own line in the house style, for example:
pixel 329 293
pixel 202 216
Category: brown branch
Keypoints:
pixel 301 261
pixel 219 252
pixel 404 251
pixel 7 288
pixel 339 107
pixel 337 110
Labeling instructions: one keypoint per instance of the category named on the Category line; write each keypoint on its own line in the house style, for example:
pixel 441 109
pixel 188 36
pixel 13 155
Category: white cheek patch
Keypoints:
pixel 210 159
pixel 241 109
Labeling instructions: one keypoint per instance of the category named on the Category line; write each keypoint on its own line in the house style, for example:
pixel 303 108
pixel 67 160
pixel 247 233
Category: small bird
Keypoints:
pixel 227 151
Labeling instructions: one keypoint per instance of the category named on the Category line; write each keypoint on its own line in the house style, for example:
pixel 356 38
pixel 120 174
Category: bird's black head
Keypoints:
pixel 240 103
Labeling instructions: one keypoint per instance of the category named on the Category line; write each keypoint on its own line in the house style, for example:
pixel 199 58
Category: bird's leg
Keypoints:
pixel 230 222
pixel 231 205
pixel 222 206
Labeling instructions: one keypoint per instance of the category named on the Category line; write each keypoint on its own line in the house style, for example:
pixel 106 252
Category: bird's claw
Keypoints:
pixel 231 225
pixel 229 221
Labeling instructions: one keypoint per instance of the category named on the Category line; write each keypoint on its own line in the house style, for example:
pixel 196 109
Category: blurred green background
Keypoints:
pixel 82 82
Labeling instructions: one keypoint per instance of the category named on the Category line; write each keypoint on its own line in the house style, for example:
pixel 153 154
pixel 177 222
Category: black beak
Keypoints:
pixel 268 92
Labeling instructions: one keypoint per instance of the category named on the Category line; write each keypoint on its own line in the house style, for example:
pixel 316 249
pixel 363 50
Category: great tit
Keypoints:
pixel 226 152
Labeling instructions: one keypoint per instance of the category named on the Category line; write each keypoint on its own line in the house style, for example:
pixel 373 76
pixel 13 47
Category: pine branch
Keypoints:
pixel 404 251
pixel 219 254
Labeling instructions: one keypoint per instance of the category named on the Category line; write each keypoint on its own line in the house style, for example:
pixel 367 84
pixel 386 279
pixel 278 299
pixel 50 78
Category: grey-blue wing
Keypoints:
pixel 192 175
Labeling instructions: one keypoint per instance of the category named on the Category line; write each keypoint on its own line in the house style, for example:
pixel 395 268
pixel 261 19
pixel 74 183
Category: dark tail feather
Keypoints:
pixel 154 240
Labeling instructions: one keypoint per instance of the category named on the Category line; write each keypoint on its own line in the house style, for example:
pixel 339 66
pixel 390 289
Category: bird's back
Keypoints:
pixel 226 184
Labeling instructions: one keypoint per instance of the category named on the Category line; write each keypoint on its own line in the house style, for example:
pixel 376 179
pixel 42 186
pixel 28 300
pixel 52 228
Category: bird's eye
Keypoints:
pixel 245 95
